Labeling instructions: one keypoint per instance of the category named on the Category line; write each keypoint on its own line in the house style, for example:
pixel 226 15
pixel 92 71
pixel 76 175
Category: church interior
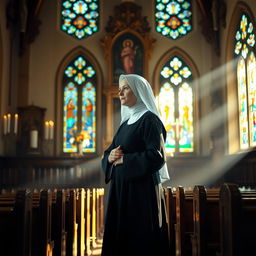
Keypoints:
pixel 199 57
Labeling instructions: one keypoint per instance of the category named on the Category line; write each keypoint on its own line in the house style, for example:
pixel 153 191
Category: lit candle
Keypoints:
pixel 16 123
pixel 46 130
pixel 34 139
pixel 5 124
pixel 51 124
pixel 8 123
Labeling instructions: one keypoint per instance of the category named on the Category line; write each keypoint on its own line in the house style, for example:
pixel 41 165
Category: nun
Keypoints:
pixel 135 166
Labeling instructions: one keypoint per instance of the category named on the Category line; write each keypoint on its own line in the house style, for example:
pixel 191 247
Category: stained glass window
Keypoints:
pixel 79 108
pixel 80 18
pixel 176 105
pixel 173 17
pixel 244 50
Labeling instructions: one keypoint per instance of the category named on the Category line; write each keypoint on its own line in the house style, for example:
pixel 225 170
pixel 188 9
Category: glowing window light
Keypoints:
pixel 176 105
pixel 242 98
pixel 244 49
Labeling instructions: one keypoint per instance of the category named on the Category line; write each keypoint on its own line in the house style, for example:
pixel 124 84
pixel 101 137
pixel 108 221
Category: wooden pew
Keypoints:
pixel 100 211
pixel 41 242
pixel 80 220
pixel 15 223
pixel 206 236
pixel 70 222
pixel 170 199
pixel 237 221
pixel 184 222
pixel 58 222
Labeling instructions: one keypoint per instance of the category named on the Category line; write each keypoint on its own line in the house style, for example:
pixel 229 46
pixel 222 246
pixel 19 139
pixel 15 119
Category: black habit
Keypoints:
pixel 132 222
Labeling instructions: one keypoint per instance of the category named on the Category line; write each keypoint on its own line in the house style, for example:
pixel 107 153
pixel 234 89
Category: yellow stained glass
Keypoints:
pixel 186 118
pixel 242 99
pixel 166 99
pixel 251 78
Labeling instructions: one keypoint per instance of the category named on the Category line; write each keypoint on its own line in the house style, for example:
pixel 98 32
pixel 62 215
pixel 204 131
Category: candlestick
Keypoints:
pixel 46 130
pixel 8 123
pixel 5 124
pixel 16 123
pixel 51 125
pixel 34 139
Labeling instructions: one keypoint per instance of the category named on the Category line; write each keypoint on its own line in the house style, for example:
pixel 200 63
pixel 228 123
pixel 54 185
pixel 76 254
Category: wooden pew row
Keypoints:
pixel 237 220
pixel 15 223
pixel 41 243
pixel 170 199
pixel 61 221
pixel 193 220
pixel 206 234
pixel 184 221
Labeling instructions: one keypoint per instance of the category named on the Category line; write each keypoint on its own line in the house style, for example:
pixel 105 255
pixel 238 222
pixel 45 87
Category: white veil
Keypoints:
pixel 145 96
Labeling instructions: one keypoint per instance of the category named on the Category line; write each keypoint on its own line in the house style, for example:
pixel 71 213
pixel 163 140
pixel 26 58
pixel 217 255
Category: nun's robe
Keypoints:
pixel 132 222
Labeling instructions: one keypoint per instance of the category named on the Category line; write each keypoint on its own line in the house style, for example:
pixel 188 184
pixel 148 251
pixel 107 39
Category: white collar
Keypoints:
pixel 136 112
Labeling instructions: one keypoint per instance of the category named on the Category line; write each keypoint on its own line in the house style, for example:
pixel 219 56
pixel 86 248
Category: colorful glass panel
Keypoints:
pixel 242 99
pixel 89 118
pixel 69 116
pixel 251 78
pixel 79 117
pixel 186 130
pixel 173 17
pixel 166 99
pixel 245 48
pixel 80 19
pixel 176 71
pixel 245 37
pixel 176 105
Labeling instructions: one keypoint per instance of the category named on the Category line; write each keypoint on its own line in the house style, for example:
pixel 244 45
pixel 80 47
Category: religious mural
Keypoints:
pixel 127 56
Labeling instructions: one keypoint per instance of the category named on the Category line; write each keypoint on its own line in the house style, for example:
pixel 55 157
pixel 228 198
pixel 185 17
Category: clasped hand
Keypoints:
pixel 116 156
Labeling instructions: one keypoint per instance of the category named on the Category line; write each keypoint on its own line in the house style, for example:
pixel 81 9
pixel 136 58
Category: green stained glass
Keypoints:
pixel 80 19
pixel 79 108
pixel 245 37
pixel 173 18
pixel 242 98
pixel 176 105
pixel 251 78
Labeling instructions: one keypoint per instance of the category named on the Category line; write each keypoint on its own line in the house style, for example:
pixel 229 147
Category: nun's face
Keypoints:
pixel 126 94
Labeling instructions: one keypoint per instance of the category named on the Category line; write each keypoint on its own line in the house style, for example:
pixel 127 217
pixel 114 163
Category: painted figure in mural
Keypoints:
pixel 70 113
pixel 128 56
pixel 88 112
pixel 134 164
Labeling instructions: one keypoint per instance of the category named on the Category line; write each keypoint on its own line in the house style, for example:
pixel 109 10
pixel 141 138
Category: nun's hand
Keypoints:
pixel 118 161
pixel 115 154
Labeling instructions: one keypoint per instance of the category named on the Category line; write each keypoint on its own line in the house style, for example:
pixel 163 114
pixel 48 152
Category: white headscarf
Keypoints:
pixel 145 102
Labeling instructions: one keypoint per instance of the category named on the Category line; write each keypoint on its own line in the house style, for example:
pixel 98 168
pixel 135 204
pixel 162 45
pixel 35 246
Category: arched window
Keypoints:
pixel 173 18
pixel 176 101
pixel 79 106
pixel 244 51
pixel 80 18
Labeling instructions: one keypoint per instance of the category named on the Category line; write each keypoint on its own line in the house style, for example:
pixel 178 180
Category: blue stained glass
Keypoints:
pixel 79 116
pixel 173 17
pixel 80 19
pixel 245 36
pixel 89 118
